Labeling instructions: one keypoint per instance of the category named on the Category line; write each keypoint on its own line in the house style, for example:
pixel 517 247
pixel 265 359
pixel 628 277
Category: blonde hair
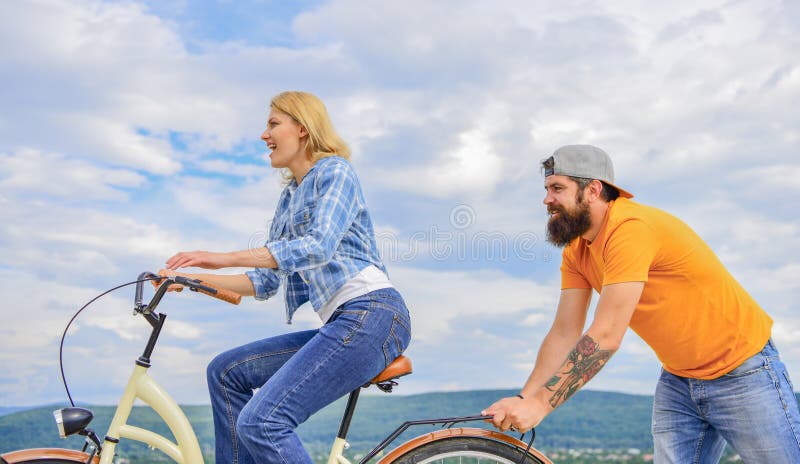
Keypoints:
pixel 309 111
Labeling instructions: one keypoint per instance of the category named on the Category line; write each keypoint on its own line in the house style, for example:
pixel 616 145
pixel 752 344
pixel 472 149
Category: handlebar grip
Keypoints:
pixel 157 283
pixel 204 287
pixel 221 293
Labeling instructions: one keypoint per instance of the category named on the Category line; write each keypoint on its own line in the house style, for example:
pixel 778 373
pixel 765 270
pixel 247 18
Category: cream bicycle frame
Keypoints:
pixel 337 450
pixel 186 449
pixel 142 386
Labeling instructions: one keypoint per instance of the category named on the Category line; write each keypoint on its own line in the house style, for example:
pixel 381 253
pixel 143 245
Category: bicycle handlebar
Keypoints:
pixel 162 283
pixel 204 287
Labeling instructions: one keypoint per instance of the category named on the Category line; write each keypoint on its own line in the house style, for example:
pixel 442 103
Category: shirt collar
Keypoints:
pixel 292 185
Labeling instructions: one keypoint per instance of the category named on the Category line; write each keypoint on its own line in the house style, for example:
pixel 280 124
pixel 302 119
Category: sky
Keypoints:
pixel 129 131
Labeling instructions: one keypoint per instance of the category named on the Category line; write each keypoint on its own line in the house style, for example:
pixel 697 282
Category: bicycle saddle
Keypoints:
pixel 398 368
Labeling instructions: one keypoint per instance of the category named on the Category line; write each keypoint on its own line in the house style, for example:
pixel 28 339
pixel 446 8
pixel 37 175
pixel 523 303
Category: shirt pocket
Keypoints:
pixel 300 222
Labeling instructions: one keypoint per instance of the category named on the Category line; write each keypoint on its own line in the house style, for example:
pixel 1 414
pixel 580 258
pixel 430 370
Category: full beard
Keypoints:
pixel 568 225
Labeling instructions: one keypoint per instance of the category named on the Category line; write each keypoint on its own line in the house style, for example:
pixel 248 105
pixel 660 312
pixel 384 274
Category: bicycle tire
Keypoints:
pixel 49 461
pixel 466 450
pixel 46 456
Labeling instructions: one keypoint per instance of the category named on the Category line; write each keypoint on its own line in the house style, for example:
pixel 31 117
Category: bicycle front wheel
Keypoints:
pixel 467 450
pixel 48 461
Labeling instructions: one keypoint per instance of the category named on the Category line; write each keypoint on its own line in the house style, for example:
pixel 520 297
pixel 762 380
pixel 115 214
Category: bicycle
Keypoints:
pixel 450 444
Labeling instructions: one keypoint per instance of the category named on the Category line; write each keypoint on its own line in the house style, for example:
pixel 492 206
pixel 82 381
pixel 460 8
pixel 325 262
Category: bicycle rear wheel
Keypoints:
pixel 466 450
pixel 46 456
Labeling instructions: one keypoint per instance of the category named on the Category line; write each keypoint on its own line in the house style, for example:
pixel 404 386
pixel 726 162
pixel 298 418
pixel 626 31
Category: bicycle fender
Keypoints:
pixel 466 432
pixel 14 457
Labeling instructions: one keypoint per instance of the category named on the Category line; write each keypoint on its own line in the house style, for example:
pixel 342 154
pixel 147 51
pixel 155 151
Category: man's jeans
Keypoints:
pixel 753 408
pixel 298 374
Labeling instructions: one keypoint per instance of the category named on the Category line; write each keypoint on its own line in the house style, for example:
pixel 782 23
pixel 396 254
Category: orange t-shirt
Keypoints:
pixel 697 318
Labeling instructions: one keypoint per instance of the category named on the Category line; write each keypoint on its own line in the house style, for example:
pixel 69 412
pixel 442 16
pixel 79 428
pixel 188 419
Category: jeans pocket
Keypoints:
pixel 347 323
pixel 750 366
pixel 397 341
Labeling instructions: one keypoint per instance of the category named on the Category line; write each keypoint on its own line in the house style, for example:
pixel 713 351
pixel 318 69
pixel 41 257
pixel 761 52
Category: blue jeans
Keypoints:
pixel 298 374
pixel 752 408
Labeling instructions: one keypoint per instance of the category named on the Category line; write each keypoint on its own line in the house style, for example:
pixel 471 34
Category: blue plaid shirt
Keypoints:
pixel 321 236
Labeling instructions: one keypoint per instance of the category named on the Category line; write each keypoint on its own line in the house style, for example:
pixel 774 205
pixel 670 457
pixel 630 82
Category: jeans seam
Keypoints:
pixel 389 337
pixel 400 321
pixel 397 343
pixel 776 382
pixel 275 445
pixel 699 447
pixel 231 420
pixel 385 293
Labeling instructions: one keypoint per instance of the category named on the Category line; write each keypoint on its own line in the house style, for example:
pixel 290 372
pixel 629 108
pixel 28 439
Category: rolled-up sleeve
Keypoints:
pixel 265 282
pixel 338 204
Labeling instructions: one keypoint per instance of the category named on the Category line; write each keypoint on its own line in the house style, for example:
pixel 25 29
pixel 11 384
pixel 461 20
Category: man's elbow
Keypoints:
pixel 613 344
pixel 609 340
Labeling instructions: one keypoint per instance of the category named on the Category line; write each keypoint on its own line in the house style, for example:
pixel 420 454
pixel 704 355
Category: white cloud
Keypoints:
pixel 37 311
pixel 123 142
pixel 106 137
pixel 218 166
pixel 744 237
pixel 128 92
pixel 99 52
pixel 535 319
pixel 783 176
pixel 76 243
pixel 31 172
pixel 438 298
pixel 243 210
pixel 472 166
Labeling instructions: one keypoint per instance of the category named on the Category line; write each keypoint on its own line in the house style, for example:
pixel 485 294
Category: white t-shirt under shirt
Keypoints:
pixel 367 280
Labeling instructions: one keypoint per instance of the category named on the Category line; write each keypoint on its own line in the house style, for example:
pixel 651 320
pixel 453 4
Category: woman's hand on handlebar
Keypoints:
pixel 238 283
pixel 201 259
pixel 168 273
pixel 223 287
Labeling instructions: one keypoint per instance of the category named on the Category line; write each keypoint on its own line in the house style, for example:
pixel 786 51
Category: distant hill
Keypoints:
pixel 591 419
pixel 6 410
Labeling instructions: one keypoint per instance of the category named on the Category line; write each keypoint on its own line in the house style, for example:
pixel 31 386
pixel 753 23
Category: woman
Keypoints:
pixel 322 248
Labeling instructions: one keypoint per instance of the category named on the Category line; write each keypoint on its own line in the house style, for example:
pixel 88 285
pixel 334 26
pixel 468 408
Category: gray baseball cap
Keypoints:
pixel 585 161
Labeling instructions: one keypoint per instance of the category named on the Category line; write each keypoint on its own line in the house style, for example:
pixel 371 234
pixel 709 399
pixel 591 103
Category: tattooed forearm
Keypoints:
pixel 582 363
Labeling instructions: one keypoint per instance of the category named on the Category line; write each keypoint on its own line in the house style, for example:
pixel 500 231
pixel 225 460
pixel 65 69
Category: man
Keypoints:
pixel 722 379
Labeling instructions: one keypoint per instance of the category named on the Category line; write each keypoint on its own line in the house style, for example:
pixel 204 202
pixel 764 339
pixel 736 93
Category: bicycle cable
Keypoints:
pixel 64 335
pixel 530 445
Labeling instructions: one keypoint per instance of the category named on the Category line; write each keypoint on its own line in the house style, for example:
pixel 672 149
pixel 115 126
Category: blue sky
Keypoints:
pixel 129 131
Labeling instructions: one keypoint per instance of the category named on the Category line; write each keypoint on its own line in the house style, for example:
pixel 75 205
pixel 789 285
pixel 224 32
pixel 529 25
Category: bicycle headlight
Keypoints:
pixel 72 420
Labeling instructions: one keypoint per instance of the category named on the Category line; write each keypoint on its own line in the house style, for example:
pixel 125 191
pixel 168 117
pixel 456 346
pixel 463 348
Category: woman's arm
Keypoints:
pixel 261 282
pixel 256 257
